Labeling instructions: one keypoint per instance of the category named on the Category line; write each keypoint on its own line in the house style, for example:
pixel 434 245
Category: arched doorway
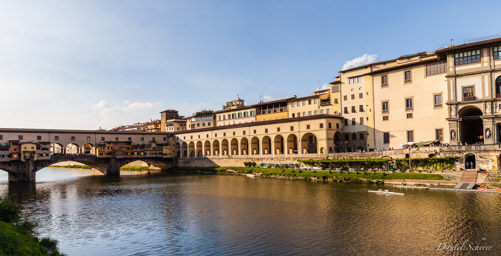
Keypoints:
pixel 470 161
pixel 498 87
pixel 88 149
pixel 292 144
pixel 207 148
pixel 224 148
pixel 56 148
pixel 199 149
pixel 244 146
pixel 192 149
pixel 471 125
pixel 177 148
pixel 309 144
pixel 279 144
pixel 337 142
pixel 215 148
pixel 234 146
pixel 72 149
pixel 255 146
pixel 266 145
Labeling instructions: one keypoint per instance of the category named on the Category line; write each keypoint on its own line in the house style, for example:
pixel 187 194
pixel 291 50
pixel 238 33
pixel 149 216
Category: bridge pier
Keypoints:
pixel 22 171
pixel 113 167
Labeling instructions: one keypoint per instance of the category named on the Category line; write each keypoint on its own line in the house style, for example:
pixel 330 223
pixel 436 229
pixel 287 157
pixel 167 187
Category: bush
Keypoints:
pixel 16 235
pixel 9 211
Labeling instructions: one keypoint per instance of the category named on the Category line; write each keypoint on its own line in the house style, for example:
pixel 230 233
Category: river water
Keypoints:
pixel 162 214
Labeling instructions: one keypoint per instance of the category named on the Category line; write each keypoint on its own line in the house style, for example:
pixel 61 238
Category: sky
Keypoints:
pixel 100 64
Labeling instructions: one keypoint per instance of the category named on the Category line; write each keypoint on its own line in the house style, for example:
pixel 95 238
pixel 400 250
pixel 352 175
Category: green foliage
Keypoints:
pixel 134 168
pixel 250 164
pixel 355 177
pixel 9 211
pixel 16 236
pixel 48 243
pixel 433 163
pixel 76 166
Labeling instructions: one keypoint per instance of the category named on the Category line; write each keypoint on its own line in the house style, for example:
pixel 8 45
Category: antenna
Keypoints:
pixel 451 41
pixel 260 97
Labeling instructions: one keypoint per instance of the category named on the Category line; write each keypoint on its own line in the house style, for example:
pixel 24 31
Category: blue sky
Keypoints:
pixel 91 64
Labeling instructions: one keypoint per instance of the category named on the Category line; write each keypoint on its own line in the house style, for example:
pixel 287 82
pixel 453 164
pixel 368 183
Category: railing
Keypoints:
pixel 468 98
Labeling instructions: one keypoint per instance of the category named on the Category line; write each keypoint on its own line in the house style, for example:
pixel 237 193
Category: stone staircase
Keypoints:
pixel 468 179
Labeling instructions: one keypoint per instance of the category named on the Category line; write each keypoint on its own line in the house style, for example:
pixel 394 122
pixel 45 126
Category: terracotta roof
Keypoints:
pixel 284 120
pixel 402 66
pixel 255 105
pixel 468 45
pixel 235 109
pixel 28 130
pixel 307 97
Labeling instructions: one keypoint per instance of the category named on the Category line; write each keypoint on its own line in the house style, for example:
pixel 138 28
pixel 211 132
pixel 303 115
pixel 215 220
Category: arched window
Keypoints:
pixel 354 136
pixel 498 87
pixel 347 137
pixel 361 136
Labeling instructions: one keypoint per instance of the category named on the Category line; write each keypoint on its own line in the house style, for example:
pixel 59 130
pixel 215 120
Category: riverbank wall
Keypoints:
pixel 485 157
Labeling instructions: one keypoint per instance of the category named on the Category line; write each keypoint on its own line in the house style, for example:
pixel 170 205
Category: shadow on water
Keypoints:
pixel 163 214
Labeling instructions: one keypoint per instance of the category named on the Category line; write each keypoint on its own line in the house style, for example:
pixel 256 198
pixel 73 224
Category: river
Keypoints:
pixel 162 214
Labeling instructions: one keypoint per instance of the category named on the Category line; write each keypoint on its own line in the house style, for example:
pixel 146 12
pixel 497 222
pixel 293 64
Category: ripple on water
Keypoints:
pixel 163 214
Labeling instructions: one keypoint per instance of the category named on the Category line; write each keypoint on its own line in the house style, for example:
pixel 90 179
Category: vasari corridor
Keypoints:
pixel 250 128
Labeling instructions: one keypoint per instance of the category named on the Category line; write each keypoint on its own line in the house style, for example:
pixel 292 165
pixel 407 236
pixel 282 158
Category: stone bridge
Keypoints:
pixel 26 170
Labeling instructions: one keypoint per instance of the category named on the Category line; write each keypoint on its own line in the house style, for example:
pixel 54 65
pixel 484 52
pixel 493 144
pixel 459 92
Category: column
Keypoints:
pixel 272 142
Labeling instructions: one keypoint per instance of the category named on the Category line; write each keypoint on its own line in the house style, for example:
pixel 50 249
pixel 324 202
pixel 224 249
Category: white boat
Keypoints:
pixel 386 192
pixel 251 175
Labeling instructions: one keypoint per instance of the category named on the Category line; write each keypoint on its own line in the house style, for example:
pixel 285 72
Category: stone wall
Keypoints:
pixel 487 158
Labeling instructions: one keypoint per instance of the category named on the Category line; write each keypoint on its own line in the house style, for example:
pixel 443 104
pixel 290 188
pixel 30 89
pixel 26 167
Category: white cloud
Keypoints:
pixel 361 60
pixel 126 113
pixel 325 86
pixel 267 98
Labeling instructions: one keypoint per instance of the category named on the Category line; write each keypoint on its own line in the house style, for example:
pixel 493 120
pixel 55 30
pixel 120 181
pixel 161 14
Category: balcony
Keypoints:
pixel 469 98
pixel 325 102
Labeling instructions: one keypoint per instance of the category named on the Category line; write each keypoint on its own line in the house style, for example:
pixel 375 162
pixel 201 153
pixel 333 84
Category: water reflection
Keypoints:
pixel 166 214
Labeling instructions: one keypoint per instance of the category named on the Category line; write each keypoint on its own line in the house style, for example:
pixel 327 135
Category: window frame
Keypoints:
pixel 405 76
pixel 386 138
pixel 496 51
pixel 387 106
pixel 469 97
pixel 410 135
pixel 467 57
pixel 436 68
pixel 384 80
pixel 435 101
pixel 412 103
